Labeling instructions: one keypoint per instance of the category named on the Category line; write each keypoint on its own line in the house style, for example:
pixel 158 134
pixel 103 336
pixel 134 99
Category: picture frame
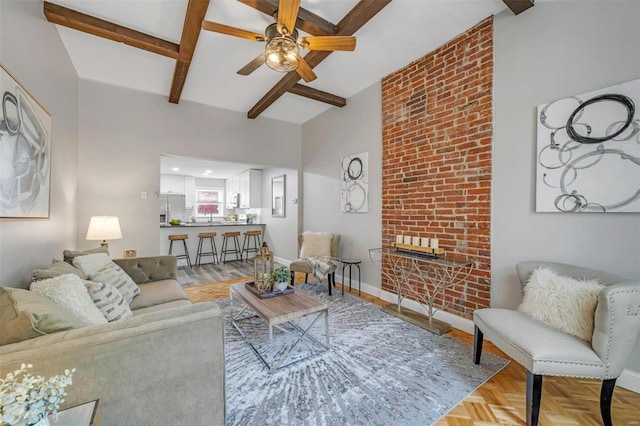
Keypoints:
pixel 25 152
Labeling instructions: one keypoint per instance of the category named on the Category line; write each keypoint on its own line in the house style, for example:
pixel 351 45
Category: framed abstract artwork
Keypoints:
pixel 588 152
pixel 354 183
pixel 25 152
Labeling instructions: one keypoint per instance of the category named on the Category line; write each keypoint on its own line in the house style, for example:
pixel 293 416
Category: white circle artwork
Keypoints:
pixel 354 184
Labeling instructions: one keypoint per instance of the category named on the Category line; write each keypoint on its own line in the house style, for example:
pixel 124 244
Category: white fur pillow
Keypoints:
pixel 69 292
pixel 315 244
pixel 564 303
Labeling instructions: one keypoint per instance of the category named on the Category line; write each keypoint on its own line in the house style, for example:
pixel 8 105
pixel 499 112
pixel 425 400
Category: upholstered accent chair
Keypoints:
pixel 302 265
pixel 544 350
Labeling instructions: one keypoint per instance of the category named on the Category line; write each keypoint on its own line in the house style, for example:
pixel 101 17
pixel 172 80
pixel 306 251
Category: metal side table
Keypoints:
pixel 351 263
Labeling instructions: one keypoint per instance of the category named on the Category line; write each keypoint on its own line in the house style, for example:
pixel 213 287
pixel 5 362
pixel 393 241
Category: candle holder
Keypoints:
pixel 262 268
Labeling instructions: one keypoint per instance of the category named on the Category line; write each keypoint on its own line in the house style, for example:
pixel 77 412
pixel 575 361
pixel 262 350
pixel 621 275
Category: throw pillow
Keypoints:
pixel 25 315
pixel 564 303
pixel 69 292
pixel 100 268
pixel 57 268
pixel 108 299
pixel 69 255
pixel 315 244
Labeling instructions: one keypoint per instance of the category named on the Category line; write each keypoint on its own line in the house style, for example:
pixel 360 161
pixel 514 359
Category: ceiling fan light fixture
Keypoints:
pixel 281 54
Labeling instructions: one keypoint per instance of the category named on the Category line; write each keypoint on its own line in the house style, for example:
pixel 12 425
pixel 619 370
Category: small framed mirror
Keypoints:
pixel 278 195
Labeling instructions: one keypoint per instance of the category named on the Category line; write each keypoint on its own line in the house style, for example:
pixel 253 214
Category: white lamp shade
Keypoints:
pixel 104 228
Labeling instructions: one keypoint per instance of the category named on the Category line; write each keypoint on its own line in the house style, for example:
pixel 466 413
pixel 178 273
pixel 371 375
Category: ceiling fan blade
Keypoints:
pixel 287 15
pixel 252 66
pixel 232 31
pixel 305 71
pixel 329 43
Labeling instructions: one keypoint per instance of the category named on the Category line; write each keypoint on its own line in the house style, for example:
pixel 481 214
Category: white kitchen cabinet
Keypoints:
pixel 232 187
pixel 251 189
pixel 171 184
pixel 189 191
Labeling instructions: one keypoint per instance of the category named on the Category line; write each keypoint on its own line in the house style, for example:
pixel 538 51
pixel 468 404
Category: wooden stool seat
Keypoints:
pixel 233 236
pixel 183 238
pixel 214 251
pixel 247 246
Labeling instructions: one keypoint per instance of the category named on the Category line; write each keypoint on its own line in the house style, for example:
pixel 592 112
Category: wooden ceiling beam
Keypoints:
pixel 82 22
pixel 307 21
pixel 317 95
pixel 518 6
pixel 355 19
pixel 196 11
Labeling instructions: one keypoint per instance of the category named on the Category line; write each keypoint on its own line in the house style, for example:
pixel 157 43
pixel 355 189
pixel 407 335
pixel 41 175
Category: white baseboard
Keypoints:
pixel 629 380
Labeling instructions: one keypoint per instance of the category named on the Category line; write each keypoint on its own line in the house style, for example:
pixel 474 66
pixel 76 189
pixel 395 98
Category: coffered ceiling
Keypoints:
pixel 397 33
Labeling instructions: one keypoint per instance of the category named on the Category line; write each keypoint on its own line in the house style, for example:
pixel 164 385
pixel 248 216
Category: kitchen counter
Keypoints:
pixel 209 224
pixel 193 229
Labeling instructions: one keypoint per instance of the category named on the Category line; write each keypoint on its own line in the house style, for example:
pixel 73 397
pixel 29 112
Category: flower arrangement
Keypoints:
pixel 26 402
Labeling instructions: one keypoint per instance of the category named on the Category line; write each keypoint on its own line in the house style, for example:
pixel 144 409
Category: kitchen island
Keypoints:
pixel 193 229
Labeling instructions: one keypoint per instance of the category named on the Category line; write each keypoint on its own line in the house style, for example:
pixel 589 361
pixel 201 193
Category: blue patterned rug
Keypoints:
pixel 379 370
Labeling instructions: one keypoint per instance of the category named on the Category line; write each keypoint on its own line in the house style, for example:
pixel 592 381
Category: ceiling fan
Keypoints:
pixel 282 51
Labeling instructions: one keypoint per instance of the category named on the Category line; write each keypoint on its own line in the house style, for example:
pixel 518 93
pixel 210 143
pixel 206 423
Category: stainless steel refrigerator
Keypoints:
pixel 172 206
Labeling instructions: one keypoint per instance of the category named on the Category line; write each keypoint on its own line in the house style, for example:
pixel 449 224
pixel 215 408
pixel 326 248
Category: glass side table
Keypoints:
pixel 81 415
pixel 351 263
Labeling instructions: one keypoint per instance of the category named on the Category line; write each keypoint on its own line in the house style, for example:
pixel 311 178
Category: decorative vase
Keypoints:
pixel 280 286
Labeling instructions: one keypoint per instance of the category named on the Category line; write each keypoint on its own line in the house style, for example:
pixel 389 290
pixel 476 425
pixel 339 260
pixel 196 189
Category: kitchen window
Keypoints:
pixel 209 202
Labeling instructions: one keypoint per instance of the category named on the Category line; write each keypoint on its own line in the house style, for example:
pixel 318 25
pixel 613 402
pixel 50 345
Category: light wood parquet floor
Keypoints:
pixel 501 400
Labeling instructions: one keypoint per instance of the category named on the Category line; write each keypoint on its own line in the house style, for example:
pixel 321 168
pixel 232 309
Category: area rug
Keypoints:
pixel 379 370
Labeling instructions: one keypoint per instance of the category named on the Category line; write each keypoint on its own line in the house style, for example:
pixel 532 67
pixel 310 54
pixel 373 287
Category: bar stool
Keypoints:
pixel 233 236
pixel 214 251
pixel 183 238
pixel 249 238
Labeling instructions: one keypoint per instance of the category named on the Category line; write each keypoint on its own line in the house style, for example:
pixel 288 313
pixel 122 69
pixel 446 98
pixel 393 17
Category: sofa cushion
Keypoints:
pixel 108 300
pixel 69 255
pixel 25 315
pixel 100 268
pixel 157 293
pixel 316 244
pixel 69 292
pixel 153 268
pixel 561 302
pixel 57 268
pixel 161 307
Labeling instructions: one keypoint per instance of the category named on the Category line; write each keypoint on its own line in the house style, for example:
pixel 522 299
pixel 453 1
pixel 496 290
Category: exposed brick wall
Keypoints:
pixel 436 157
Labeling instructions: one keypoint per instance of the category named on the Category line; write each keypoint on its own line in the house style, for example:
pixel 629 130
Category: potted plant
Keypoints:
pixel 280 278
pixel 31 400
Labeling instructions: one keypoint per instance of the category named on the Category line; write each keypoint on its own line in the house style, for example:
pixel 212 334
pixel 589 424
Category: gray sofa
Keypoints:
pixel 164 366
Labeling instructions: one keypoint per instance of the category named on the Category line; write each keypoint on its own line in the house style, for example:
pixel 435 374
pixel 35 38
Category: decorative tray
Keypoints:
pixel 252 288
pixel 433 252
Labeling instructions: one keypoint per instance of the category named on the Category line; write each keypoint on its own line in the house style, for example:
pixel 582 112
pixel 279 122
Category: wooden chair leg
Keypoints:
pixel 534 396
pixel 478 338
pixel 606 395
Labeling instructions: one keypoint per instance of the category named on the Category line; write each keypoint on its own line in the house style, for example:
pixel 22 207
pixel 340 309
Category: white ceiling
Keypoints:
pixel 402 32
pixel 196 167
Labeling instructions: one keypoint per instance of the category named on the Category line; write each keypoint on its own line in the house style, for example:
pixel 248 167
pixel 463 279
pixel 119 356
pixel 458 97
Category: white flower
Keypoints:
pixel 24 403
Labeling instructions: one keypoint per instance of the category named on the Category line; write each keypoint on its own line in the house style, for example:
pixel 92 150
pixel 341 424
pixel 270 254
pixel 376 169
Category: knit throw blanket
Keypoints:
pixel 322 266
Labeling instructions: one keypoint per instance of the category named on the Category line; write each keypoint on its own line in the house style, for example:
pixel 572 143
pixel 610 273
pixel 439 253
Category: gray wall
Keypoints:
pixel 123 133
pixel 32 51
pixel 281 233
pixel 554 50
pixel 337 133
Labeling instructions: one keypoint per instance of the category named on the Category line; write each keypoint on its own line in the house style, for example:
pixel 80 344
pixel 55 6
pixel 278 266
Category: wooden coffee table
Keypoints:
pixel 278 311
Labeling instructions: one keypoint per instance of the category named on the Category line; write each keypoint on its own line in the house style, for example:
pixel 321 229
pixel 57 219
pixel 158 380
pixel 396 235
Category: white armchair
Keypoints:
pixel 544 350
pixel 303 264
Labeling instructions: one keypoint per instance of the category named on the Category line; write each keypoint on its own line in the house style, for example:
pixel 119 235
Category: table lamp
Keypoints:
pixel 104 228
